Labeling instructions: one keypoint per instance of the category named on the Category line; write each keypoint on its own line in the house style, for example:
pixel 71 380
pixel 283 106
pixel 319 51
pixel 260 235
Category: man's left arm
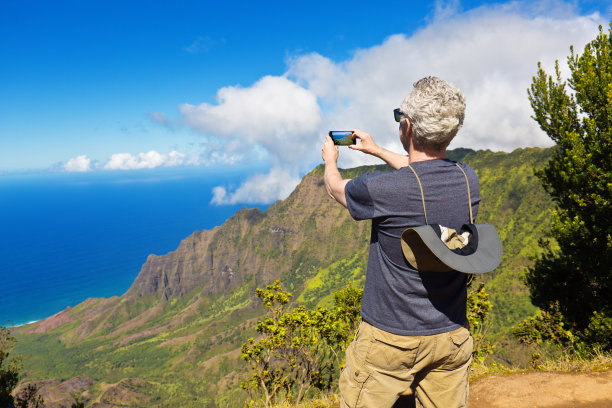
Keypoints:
pixel 334 184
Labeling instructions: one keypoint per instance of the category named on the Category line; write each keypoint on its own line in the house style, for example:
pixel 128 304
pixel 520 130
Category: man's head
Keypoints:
pixel 435 110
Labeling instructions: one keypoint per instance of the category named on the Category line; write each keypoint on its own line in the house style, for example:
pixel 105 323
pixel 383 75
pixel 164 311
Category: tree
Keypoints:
pixel 261 354
pixel 29 397
pixel 77 403
pixel 9 368
pixel 574 272
pixel 478 309
pixel 299 349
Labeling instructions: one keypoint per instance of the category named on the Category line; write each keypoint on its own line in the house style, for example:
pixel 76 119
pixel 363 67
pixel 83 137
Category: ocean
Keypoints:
pixel 65 237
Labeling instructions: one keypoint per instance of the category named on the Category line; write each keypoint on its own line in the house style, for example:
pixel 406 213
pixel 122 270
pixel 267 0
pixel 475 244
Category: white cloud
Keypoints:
pixel 260 188
pixel 153 159
pixel 490 52
pixel 149 160
pixel 275 113
pixel 78 164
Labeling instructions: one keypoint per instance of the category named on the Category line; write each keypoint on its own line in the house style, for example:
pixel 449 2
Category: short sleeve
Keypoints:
pixel 358 199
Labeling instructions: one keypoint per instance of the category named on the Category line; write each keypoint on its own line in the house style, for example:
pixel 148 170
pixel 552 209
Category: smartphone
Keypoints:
pixel 342 137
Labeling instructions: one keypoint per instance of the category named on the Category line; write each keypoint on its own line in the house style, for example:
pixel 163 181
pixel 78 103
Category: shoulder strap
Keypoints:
pixel 423 196
pixel 421 188
pixel 468 189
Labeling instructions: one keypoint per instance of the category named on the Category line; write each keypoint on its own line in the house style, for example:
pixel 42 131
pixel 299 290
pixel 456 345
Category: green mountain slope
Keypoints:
pixel 172 339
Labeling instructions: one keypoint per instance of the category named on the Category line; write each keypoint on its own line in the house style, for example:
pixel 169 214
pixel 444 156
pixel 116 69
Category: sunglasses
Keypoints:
pixel 398 114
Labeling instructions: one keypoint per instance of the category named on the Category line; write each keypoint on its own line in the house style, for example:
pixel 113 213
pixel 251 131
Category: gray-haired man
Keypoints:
pixel 414 332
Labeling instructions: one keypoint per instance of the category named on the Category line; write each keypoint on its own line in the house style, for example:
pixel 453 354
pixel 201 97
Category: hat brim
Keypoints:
pixel 426 252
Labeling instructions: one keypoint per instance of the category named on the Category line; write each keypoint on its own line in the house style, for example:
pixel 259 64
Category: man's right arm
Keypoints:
pixel 367 145
pixel 334 183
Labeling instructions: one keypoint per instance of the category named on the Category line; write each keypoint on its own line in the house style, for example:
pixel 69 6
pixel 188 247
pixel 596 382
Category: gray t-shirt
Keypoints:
pixel 397 298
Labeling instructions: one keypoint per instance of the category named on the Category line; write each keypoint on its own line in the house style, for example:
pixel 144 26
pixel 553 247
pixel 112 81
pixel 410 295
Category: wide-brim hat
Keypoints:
pixel 426 252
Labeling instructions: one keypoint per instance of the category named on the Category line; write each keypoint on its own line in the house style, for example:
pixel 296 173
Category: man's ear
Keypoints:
pixel 406 127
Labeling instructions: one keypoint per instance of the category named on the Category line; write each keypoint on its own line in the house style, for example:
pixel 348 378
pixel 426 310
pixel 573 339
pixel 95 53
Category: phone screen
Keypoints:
pixel 342 137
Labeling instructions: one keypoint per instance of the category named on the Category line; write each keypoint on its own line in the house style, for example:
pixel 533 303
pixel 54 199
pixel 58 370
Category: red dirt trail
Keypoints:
pixel 543 390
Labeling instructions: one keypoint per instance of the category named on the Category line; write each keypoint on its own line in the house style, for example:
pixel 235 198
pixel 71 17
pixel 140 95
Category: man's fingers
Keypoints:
pixel 358 134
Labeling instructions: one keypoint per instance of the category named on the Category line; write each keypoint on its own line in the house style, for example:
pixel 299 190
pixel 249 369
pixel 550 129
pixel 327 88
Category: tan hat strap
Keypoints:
pixel 422 196
pixel 468 189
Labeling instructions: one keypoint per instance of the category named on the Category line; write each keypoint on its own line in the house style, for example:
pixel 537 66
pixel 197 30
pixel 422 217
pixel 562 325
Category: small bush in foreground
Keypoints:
pixel 298 350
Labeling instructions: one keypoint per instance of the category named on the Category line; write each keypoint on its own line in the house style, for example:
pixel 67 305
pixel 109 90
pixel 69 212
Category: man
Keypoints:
pixel 414 336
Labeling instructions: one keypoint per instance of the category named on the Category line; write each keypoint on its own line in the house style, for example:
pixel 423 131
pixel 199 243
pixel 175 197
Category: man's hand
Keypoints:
pixel 329 152
pixel 368 146
pixel 366 143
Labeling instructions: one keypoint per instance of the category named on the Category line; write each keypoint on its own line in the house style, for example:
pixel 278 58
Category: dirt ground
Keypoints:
pixel 543 390
pixel 533 389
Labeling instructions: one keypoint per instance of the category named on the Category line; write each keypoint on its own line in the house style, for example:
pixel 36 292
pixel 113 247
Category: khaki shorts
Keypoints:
pixel 381 366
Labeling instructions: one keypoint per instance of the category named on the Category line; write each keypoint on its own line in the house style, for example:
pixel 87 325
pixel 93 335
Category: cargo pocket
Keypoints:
pixel 462 344
pixel 390 352
pixel 353 380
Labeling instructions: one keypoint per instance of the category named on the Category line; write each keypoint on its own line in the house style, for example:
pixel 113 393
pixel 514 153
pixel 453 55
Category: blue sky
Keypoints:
pixel 106 85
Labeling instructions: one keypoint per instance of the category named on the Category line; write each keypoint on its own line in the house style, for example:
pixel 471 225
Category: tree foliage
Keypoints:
pixel 478 309
pixel 548 325
pixel 10 367
pixel 29 397
pixel 77 403
pixel 298 349
pixel 573 276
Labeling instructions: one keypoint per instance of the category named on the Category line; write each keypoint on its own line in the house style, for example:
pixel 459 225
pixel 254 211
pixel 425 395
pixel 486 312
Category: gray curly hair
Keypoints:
pixel 435 110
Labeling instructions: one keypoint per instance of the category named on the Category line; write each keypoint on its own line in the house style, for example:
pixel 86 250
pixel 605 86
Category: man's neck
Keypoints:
pixel 415 155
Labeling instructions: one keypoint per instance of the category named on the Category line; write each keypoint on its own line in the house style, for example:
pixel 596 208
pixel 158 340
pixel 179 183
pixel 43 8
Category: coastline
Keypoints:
pixel 25 324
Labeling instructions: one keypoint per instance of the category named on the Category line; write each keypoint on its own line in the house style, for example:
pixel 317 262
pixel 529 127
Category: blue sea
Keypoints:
pixel 67 237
